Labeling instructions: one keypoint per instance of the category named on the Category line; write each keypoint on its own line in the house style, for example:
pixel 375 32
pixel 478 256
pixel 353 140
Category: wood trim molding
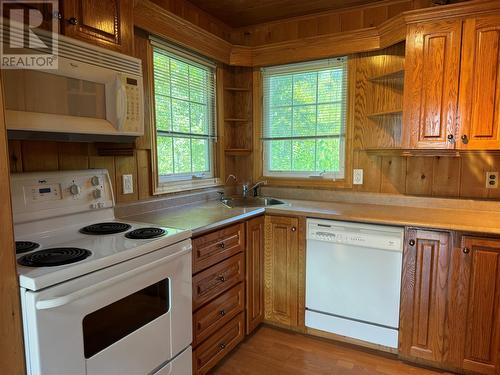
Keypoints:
pixel 158 21
pixel 11 336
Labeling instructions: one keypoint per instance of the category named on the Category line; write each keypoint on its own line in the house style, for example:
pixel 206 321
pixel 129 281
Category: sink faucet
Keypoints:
pixel 255 188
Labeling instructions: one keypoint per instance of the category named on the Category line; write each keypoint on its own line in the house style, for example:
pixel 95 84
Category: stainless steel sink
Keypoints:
pixel 250 202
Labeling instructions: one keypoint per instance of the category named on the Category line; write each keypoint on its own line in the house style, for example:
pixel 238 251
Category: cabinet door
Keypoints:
pixel 474 318
pixel 106 23
pixel 255 273
pixel 424 294
pixel 431 84
pixel 281 277
pixel 480 84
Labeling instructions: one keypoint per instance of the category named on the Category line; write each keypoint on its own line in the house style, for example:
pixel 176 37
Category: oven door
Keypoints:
pixel 131 318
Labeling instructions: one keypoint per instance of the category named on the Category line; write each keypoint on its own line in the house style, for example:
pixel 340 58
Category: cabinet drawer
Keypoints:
pixel 208 354
pixel 215 314
pixel 216 246
pixel 216 280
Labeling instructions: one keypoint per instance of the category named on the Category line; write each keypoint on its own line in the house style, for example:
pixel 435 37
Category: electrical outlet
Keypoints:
pixel 357 176
pixel 491 180
pixel 128 184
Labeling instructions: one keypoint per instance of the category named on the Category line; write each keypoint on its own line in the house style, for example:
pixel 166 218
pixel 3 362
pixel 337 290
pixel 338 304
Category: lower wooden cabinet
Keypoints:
pixel 217 346
pixel 283 272
pixel 450 301
pixel 254 267
pixel 424 294
pixel 474 319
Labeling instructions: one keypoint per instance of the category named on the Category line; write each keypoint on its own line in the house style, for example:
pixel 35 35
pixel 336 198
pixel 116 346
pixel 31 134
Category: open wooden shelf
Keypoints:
pixel 398 77
pixel 237 89
pixel 392 113
pixel 238 151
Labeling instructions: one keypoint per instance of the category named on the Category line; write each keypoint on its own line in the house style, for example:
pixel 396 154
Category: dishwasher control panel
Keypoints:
pixel 356 234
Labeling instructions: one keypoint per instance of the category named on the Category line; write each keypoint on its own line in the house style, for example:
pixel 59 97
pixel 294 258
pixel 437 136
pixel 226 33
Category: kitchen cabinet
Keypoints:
pixel 105 23
pixel 479 98
pixel 452 88
pixel 254 273
pixel 431 84
pixel 281 271
pixel 424 294
pixel 474 322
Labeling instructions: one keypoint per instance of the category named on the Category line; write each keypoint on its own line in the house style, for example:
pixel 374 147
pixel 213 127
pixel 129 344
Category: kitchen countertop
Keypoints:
pixel 207 216
pixel 199 218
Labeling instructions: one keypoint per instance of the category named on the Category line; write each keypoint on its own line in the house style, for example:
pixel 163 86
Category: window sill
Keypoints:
pixel 308 182
pixel 185 185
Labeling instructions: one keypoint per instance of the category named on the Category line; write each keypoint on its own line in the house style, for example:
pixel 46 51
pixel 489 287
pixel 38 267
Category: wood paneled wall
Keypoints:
pixel 330 22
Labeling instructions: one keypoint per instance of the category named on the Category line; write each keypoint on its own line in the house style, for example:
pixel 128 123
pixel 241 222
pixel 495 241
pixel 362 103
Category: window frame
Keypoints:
pixel 307 179
pixel 163 184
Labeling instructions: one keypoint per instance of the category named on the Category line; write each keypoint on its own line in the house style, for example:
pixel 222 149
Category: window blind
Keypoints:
pixel 184 88
pixel 305 118
pixel 184 101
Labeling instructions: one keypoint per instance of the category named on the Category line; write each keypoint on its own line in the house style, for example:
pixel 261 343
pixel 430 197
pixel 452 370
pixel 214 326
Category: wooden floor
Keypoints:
pixel 277 352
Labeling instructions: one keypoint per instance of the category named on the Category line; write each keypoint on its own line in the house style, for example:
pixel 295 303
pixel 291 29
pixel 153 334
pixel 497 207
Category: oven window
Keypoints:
pixel 106 326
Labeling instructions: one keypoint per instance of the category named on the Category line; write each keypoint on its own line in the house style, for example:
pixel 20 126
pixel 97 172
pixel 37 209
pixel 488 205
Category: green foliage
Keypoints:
pixel 181 106
pixel 309 105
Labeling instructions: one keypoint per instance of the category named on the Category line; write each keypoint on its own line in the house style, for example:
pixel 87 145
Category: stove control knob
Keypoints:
pixel 97 193
pixel 95 181
pixel 75 189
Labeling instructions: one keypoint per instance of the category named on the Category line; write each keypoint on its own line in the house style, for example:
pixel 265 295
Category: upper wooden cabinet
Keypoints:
pixel 431 84
pixel 452 85
pixel 106 23
pixel 479 108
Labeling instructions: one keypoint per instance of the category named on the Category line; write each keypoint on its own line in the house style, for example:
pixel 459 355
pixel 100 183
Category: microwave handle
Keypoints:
pixel 64 300
pixel 121 103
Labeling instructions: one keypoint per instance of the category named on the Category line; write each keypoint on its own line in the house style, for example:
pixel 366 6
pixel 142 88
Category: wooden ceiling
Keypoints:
pixel 237 13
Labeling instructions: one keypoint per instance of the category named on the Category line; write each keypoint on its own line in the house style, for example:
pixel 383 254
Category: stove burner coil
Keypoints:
pixel 25 246
pixel 145 233
pixel 57 256
pixel 105 228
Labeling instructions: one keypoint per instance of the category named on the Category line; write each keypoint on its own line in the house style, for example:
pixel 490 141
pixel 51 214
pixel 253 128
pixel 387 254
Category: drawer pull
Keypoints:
pixel 221 278
pixel 466 250
pixel 222 346
pixel 221 245
pixel 411 242
pixel 294 229
pixel 222 312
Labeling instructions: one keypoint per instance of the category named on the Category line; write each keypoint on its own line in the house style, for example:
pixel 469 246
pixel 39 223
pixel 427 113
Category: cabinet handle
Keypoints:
pixel 464 139
pixel 221 278
pixel 411 242
pixel 451 138
pixel 466 250
pixel 73 21
pixel 294 229
pixel 221 245
pixel 222 346
pixel 222 312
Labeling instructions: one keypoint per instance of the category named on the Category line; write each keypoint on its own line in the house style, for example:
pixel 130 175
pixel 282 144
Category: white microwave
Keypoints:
pixel 93 91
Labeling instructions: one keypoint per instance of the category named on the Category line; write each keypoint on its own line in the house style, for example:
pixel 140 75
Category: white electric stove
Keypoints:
pixel 99 295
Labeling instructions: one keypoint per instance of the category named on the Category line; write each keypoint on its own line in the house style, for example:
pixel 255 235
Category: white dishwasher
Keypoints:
pixel 353 280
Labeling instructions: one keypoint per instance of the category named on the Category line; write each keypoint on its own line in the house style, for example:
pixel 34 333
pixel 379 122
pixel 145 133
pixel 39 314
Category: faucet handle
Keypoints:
pixel 221 195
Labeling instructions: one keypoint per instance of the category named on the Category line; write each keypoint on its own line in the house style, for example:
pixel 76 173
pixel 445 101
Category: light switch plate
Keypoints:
pixel 357 177
pixel 128 184
pixel 491 180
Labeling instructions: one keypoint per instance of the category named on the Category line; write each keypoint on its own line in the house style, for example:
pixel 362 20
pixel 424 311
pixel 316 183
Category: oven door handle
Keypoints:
pixel 64 300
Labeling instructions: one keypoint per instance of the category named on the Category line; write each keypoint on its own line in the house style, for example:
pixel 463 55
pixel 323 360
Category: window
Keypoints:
pixel 305 119
pixel 184 115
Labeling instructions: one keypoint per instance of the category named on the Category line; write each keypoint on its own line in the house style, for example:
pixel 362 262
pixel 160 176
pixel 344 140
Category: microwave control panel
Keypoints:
pixel 134 111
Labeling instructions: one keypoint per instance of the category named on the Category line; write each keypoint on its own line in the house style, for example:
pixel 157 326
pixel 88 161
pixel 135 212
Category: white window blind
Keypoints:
pixel 304 120
pixel 184 94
